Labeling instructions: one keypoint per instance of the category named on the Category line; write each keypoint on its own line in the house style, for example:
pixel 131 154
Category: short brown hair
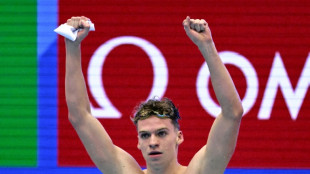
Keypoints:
pixel 163 108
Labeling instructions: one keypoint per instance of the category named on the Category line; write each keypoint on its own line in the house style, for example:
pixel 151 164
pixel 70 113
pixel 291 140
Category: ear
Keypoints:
pixel 180 137
pixel 138 145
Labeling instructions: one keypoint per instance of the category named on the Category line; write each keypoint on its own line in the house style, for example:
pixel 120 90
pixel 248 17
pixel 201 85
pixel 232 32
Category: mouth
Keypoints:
pixel 155 153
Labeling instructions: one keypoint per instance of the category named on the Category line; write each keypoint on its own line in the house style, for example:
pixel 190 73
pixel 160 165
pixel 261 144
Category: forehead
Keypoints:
pixel 153 123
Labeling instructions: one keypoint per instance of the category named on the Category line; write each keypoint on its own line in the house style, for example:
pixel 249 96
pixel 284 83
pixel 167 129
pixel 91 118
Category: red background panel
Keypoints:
pixel 255 29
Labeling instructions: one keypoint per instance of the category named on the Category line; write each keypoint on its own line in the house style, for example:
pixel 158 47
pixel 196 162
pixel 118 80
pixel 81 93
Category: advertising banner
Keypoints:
pixel 140 50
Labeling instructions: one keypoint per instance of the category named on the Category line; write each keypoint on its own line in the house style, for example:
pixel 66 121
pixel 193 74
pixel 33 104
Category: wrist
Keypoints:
pixel 208 50
pixel 72 48
pixel 206 45
pixel 71 43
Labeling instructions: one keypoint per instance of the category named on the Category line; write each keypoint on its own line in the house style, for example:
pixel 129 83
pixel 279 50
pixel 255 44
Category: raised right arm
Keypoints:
pixel 107 157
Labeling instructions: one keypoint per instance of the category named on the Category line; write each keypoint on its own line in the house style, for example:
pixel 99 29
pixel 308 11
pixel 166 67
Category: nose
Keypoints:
pixel 153 142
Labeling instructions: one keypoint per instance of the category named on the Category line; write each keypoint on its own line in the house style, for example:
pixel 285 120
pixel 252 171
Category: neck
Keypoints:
pixel 171 167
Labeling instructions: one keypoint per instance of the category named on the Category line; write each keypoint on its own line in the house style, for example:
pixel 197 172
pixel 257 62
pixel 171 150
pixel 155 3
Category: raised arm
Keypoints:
pixel 214 157
pixel 108 158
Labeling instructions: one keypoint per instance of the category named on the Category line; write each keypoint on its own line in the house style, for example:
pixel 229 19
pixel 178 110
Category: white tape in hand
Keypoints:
pixel 70 32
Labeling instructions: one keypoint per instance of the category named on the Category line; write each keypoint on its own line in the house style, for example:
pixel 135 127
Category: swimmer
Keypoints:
pixel 156 120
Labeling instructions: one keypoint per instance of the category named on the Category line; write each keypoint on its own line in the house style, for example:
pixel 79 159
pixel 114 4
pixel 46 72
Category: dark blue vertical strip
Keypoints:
pixel 47 20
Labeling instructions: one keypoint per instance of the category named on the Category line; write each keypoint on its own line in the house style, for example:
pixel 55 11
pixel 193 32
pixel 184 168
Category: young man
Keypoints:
pixel 156 120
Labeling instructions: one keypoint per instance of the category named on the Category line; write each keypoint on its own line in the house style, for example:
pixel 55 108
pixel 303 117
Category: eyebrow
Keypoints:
pixel 161 129
pixel 166 129
pixel 141 132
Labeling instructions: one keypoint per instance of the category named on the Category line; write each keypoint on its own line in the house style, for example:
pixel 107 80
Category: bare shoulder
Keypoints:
pixel 203 162
pixel 197 162
pixel 184 170
pixel 127 163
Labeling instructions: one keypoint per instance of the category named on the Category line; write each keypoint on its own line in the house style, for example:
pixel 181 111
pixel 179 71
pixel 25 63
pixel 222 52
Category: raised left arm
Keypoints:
pixel 215 155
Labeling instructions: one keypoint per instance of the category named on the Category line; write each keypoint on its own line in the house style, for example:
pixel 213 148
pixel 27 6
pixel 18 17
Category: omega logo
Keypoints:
pixel 158 61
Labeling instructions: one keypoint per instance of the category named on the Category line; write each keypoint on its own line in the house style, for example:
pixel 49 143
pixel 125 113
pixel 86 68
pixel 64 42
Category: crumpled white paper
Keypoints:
pixel 70 32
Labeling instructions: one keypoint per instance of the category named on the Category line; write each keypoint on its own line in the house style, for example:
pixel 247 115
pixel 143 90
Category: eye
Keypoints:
pixel 162 133
pixel 144 135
